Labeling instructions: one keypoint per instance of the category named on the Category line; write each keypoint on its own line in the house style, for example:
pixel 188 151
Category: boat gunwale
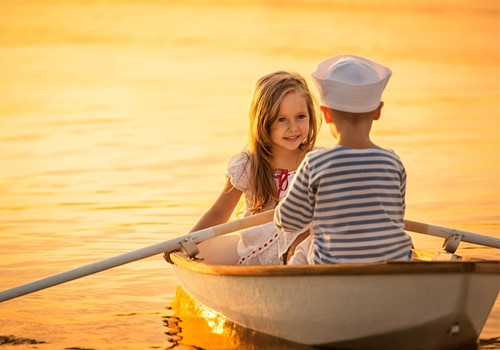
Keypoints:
pixel 383 268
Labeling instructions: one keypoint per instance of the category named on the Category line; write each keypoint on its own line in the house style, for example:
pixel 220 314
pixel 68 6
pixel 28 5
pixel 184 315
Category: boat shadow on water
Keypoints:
pixel 191 325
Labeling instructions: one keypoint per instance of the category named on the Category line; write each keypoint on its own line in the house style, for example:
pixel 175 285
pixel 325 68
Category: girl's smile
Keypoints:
pixel 292 138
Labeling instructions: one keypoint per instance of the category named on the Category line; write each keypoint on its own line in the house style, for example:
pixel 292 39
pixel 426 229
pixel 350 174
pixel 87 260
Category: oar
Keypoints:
pixel 167 246
pixel 453 237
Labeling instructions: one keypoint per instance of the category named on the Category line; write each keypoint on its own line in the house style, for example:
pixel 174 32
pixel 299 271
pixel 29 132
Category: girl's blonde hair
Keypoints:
pixel 264 109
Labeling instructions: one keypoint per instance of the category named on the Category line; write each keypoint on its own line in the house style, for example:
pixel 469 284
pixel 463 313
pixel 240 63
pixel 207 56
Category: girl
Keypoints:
pixel 283 128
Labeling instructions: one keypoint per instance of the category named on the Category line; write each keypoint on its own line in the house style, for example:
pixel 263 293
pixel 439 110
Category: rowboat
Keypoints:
pixel 435 301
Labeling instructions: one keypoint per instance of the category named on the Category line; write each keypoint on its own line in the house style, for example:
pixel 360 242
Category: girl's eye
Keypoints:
pixel 281 120
pixel 301 116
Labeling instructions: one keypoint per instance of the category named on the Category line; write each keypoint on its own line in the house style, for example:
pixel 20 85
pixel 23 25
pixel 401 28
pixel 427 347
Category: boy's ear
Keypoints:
pixel 326 114
pixel 378 111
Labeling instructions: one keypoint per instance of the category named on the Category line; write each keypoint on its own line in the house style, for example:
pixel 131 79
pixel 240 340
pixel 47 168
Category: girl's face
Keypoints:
pixel 292 124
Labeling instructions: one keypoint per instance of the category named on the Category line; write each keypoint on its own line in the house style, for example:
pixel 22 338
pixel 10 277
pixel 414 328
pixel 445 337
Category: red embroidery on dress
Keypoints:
pixel 282 180
pixel 242 260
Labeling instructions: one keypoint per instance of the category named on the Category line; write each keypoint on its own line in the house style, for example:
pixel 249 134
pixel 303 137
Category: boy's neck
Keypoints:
pixel 352 130
pixel 353 135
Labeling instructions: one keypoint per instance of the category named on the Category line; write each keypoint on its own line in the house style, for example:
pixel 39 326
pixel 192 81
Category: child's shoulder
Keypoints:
pixel 318 148
pixel 390 153
pixel 242 158
pixel 239 170
pixel 318 151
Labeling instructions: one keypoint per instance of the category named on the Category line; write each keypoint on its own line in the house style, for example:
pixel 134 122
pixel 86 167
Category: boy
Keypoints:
pixel 352 195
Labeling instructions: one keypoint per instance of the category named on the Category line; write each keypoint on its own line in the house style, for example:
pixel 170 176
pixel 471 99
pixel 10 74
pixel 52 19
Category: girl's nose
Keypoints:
pixel 292 125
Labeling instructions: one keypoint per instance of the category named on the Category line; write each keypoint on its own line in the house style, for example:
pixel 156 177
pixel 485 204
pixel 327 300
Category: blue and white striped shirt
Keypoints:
pixel 355 200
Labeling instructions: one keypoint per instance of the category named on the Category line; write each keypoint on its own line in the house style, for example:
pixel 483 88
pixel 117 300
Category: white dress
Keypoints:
pixel 263 244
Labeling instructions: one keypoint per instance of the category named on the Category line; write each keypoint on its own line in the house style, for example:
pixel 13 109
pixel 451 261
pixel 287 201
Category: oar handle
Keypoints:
pixel 167 246
pixel 445 232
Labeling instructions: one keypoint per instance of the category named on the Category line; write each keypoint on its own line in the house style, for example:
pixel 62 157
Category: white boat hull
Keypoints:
pixel 395 305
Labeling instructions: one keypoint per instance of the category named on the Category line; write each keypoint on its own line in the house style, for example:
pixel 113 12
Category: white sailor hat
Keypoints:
pixel 351 83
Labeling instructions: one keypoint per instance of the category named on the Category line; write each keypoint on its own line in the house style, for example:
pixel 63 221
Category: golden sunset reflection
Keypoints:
pixel 117 119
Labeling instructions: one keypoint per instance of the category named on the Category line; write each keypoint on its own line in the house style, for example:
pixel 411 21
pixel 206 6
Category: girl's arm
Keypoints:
pixel 221 210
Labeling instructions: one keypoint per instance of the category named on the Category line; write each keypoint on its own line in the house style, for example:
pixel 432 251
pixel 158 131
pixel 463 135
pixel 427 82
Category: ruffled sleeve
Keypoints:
pixel 239 170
